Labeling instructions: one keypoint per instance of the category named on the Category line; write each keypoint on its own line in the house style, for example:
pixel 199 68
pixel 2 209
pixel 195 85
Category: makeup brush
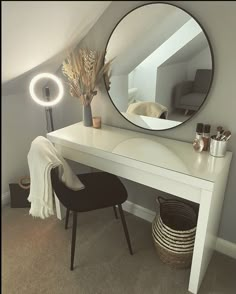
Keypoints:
pixel 227 139
pixel 226 136
pixel 219 132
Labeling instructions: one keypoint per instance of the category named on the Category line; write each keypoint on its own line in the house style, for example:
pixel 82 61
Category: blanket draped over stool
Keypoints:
pixel 42 157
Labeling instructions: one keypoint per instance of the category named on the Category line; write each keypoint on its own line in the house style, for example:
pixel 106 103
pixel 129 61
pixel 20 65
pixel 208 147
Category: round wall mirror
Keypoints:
pixel 162 67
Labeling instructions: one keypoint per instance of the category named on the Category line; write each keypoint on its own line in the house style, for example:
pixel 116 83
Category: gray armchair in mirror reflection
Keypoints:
pixel 189 95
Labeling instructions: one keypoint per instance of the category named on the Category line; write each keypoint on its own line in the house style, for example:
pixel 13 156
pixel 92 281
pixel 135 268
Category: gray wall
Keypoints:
pixel 221 103
pixel 22 121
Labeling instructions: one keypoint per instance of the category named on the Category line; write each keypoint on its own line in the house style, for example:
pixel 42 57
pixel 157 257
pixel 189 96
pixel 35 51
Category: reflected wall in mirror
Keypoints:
pixel 163 66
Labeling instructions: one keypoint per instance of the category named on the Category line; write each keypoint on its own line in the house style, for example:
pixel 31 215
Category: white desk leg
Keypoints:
pixel 202 248
pixel 60 209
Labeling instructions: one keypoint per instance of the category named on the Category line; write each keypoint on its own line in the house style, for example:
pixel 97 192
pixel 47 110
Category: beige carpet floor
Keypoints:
pixel 36 256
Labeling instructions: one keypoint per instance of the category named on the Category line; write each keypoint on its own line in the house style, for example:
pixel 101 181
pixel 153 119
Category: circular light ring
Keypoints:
pixel 43 76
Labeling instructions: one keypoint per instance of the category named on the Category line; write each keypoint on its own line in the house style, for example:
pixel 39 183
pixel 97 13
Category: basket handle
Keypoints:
pixel 162 200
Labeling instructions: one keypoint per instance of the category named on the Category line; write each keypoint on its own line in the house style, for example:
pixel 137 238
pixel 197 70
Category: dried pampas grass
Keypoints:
pixel 84 70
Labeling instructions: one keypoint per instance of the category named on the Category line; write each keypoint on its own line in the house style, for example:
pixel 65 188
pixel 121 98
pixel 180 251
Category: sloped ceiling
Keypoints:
pixel 186 53
pixel 34 32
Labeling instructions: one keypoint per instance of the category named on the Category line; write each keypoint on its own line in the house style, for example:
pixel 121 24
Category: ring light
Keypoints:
pixel 48 76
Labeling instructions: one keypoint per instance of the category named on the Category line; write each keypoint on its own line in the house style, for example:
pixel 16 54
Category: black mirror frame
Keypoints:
pixel 212 57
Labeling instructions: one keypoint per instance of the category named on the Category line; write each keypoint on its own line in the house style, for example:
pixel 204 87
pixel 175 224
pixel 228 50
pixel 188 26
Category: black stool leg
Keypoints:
pixel 115 212
pixel 73 240
pixel 67 218
pixel 125 228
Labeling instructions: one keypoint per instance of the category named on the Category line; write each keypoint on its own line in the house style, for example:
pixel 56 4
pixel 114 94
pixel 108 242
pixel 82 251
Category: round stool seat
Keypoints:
pixel 101 190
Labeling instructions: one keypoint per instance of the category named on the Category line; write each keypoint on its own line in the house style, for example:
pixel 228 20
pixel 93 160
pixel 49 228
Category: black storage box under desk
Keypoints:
pixel 19 196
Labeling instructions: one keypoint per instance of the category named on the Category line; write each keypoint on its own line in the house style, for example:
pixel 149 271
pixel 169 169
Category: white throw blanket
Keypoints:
pixel 152 109
pixel 42 157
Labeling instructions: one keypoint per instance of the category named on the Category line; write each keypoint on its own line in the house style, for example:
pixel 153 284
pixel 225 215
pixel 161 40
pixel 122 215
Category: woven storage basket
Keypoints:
pixel 173 232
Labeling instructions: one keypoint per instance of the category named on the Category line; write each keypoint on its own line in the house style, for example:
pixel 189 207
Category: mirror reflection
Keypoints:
pixel 162 68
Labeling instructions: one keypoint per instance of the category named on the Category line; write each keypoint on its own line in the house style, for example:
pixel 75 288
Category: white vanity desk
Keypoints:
pixel 167 165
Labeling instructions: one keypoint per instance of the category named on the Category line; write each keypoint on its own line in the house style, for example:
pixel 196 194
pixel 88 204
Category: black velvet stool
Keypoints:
pixel 101 190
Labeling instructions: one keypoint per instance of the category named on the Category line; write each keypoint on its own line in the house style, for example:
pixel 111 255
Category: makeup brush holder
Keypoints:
pixel 218 148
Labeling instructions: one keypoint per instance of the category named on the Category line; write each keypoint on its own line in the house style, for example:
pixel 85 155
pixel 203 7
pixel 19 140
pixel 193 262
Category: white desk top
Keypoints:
pixel 150 150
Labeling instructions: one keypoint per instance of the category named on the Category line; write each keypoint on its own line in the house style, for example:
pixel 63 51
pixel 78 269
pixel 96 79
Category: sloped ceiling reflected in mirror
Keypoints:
pixel 163 66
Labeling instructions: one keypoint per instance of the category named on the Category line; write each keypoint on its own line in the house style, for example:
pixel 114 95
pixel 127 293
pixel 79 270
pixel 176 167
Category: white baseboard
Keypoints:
pixel 222 246
pixel 139 211
pixel 5 198
pixel 226 247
